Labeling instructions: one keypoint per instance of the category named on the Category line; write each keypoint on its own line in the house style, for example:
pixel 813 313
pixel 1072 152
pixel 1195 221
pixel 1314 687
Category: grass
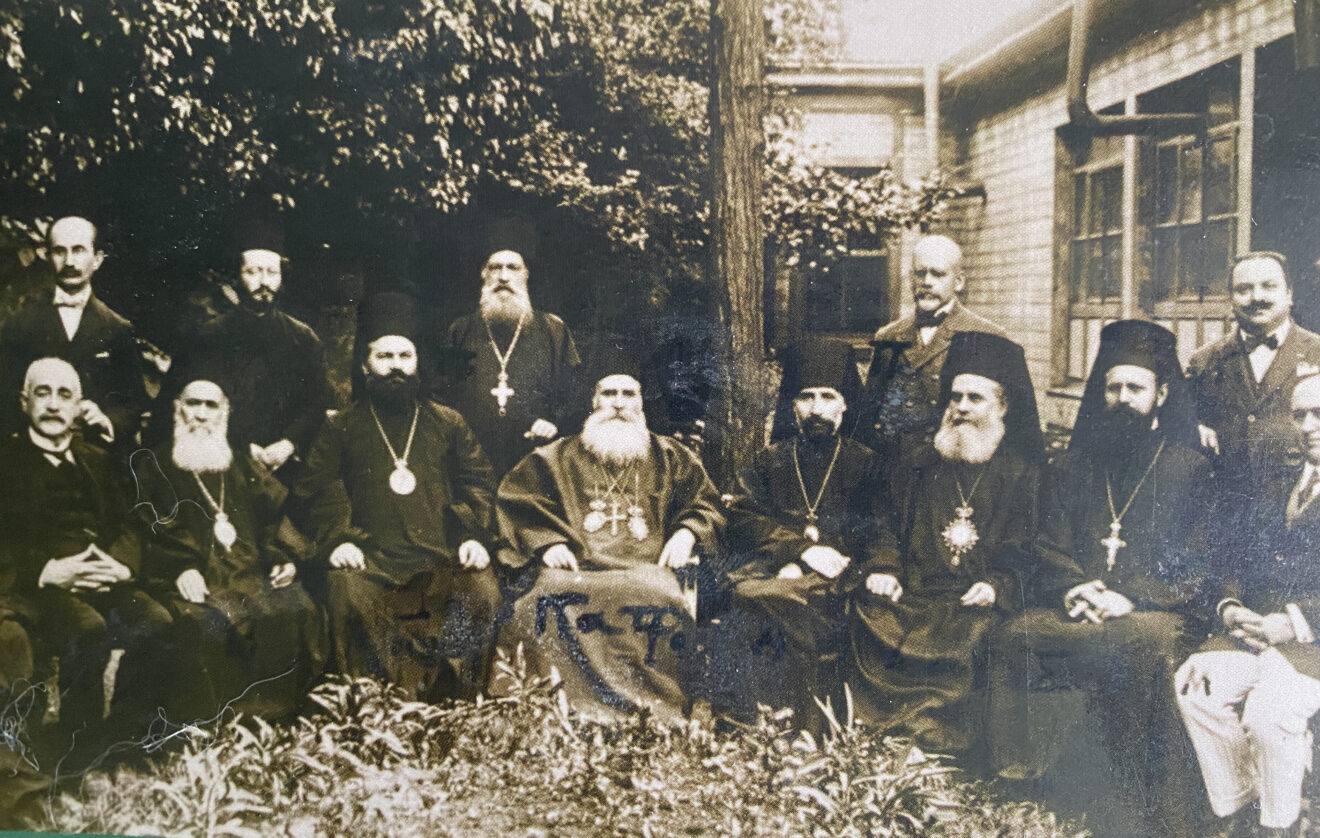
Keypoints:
pixel 369 763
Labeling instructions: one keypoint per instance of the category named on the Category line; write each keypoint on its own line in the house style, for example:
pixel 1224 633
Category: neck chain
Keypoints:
pixel 223 528
pixel 1113 542
pixel 811 531
pixel 402 481
pixel 960 536
pixel 502 391
pixel 597 518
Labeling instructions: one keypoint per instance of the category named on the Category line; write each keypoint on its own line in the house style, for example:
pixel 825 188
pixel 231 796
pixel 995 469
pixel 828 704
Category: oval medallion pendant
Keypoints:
pixel 224 531
pixel 402 481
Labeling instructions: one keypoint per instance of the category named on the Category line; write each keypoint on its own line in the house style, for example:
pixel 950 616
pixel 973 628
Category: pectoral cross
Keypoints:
pixel 615 517
pixel 1112 544
pixel 502 391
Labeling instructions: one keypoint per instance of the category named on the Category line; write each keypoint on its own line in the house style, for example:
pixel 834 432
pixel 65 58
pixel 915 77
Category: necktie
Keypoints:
pixel 1304 493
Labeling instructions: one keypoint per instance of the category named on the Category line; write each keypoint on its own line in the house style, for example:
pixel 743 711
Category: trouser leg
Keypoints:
pixel 1276 715
pixel 1209 688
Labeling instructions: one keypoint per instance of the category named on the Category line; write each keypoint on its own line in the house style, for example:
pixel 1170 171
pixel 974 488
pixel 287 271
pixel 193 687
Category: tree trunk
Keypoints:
pixel 737 159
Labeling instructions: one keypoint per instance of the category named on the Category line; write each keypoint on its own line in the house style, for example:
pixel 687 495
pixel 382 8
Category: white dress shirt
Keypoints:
pixel 1262 356
pixel 71 308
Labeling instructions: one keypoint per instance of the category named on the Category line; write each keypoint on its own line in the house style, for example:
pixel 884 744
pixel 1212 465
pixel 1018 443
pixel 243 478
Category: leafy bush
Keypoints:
pixel 370 763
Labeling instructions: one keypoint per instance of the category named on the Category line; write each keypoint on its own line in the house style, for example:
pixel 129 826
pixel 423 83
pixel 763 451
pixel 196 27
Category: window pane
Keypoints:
pixel 1110 195
pixel 1079 205
pixel 1166 184
pixel 1220 194
pixel 1166 263
pixel 863 279
pixel 1112 274
pixel 1189 179
pixel 1218 252
pixel 822 302
pixel 1087 269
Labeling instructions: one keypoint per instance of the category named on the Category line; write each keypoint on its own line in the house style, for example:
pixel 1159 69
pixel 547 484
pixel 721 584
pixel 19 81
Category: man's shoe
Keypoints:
pixel 1240 824
pixel 1294 831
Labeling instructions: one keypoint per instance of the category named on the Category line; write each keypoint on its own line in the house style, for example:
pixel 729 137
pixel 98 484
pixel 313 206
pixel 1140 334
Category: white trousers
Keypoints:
pixel 1262 752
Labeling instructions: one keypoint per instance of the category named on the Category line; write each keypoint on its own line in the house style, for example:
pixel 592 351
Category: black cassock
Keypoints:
pixel 1124 666
pixel 915 661
pixel 413 616
pixel 777 640
pixel 248 643
pixel 540 371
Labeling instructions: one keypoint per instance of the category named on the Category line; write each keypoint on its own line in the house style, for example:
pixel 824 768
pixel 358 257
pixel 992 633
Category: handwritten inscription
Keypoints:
pixel 655 622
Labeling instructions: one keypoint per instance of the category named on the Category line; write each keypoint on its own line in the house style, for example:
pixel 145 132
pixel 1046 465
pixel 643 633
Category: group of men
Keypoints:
pixel 906 538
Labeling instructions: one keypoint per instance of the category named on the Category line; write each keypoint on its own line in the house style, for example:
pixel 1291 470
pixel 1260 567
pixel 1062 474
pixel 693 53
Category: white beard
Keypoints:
pixel 499 307
pixel 968 442
pixel 618 441
pixel 199 448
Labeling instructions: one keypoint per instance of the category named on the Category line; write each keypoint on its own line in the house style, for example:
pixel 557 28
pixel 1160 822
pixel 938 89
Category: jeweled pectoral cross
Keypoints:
pixel 1113 544
pixel 502 391
pixel 615 517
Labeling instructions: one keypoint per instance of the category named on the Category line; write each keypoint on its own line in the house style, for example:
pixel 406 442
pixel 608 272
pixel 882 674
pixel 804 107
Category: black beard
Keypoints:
pixel 395 391
pixel 258 305
pixel 1122 431
pixel 816 428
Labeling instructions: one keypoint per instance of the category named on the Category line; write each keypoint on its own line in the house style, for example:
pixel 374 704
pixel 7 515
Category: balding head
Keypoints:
pixel 936 273
pixel 51 397
pixel 71 247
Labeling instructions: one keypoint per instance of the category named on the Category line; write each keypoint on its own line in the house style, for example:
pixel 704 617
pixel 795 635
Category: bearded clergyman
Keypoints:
pixel 1124 550
pixel 400 500
pixel 965 513
pixel 808 521
pixel 601 522
pixel 219 554
pixel 515 394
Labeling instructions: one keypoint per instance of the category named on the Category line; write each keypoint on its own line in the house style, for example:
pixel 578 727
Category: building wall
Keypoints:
pixel 1008 239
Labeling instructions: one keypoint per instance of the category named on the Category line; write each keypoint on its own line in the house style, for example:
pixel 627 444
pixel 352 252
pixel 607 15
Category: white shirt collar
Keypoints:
pixel 1280 334
pixel 53 450
pixel 78 299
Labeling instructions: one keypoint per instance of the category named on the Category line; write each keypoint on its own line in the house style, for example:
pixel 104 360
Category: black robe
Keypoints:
pixel 247 641
pixel 1123 666
pixel 540 373
pixel 914 661
pixel 619 631
pixel 413 616
pixel 778 640
pixel 271 367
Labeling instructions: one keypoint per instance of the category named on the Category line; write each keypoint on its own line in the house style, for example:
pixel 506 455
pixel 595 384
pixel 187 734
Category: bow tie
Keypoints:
pixel 935 318
pixel 64 299
pixel 1252 343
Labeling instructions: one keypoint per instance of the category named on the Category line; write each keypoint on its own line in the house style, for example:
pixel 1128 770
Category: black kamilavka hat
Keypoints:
pixel 1004 362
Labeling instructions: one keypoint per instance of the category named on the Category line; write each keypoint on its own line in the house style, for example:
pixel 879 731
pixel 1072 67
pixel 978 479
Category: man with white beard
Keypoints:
pixel 1124 549
pixel 600 522
pixel 218 552
pixel 965 515
pixel 523 361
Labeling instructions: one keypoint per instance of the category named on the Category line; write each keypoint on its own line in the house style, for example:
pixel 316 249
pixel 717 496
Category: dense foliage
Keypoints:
pixel 371 764
pixel 358 115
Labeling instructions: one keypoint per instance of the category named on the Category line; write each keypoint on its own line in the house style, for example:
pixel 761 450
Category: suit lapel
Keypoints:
pixel 1284 368
pixel 919 356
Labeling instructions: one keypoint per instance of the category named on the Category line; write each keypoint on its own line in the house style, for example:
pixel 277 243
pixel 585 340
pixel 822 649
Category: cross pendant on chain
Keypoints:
pixel 1112 544
pixel 615 517
pixel 502 391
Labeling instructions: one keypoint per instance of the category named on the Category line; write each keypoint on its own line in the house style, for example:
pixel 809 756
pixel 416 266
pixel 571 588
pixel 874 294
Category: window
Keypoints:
pixel 1163 252
pixel 851 296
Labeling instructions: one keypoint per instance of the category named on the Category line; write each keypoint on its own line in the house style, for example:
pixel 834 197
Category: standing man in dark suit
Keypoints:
pixel 900 407
pixel 73 324
pixel 1248 695
pixel 1242 382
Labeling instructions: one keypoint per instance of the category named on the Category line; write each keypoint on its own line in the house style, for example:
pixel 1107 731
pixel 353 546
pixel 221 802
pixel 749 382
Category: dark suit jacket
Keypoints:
pixel 104 352
pixel 900 411
pixel 1280 563
pixel 1252 420
pixel 39 525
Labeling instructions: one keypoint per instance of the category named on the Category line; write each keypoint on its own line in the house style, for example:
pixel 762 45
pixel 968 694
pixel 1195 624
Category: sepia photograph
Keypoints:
pixel 822 418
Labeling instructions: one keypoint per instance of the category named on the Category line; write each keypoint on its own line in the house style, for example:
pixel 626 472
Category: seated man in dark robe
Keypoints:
pixel 1123 545
pixel 69 565
pixel 399 497
pixel 1247 696
pixel 601 522
pixel 213 553
pixel 808 522
pixel 964 514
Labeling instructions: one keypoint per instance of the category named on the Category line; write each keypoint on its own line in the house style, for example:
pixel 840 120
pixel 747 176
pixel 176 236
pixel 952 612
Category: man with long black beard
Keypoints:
pixel 515 395
pixel 1124 551
pixel 600 523
pixel 808 521
pixel 399 498
pixel 271 365
pixel 219 554
pixel 965 513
